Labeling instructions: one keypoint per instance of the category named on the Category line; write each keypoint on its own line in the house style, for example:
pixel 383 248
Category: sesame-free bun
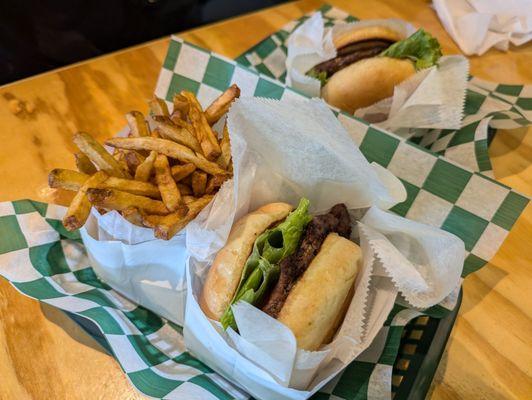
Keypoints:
pixel 365 33
pixel 317 303
pixel 365 82
pixel 226 270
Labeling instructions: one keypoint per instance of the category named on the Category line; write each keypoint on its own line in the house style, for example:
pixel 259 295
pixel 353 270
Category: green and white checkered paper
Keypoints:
pixel 488 107
pixel 44 261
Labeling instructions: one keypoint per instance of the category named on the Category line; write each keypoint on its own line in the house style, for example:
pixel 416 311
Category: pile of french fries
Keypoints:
pixel 159 178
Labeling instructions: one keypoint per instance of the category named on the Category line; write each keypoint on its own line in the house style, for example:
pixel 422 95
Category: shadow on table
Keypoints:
pixel 450 384
pixel 68 325
pixel 505 142
pixel 479 284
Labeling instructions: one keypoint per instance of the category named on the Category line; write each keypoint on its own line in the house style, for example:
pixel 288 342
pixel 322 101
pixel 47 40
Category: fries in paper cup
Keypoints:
pixel 148 170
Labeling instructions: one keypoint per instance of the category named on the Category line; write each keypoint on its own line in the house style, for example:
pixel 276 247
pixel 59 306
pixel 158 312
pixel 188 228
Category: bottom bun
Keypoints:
pixel 365 82
pixel 316 304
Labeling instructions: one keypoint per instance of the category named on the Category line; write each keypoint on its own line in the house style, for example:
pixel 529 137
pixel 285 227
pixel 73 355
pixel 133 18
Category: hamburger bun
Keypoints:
pixel 226 270
pixel 365 82
pixel 365 33
pixel 317 303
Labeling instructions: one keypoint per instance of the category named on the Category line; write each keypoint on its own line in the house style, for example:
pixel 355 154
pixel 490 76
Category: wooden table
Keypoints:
pixel 44 355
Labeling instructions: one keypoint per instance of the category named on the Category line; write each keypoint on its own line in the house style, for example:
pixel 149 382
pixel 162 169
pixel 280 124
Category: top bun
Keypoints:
pixel 365 33
pixel 226 270
pixel 365 82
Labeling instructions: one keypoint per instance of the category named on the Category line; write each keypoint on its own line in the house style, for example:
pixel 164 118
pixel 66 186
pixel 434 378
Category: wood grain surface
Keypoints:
pixel 44 355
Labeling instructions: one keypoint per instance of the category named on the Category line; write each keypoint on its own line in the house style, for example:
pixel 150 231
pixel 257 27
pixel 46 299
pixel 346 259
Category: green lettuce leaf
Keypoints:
pixel 262 267
pixel 321 76
pixel 421 47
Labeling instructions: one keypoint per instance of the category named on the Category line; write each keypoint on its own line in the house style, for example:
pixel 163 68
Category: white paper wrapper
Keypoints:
pixel 129 258
pixel 432 98
pixel 283 151
pixel 150 273
pixel 478 25
pixel 299 136
pixel 309 45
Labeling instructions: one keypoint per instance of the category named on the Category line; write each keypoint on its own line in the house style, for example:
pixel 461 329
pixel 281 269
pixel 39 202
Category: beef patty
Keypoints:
pixel 293 267
pixel 352 53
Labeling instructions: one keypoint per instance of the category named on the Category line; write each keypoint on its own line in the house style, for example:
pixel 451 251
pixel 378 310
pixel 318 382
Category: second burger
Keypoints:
pixel 370 62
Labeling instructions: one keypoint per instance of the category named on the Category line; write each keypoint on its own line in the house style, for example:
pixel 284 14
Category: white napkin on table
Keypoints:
pixel 477 25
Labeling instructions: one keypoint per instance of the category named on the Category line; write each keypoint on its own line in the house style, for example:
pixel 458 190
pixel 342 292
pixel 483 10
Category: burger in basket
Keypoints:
pixel 298 268
pixel 370 62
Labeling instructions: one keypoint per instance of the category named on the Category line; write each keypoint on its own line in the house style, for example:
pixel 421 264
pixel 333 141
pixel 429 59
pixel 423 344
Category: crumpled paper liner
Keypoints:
pixel 150 273
pixel 478 25
pixel 284 150
pixel 130 259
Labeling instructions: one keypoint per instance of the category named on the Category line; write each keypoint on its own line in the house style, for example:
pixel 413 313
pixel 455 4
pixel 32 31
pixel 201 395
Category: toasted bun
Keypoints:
pixel 226 270
pixel 370 32
pixel 320 295
pixel 366 82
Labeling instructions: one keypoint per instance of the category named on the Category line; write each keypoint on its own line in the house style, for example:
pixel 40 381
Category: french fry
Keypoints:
pixel 189 199
pixel 181 104
pixel 152 220
pixel 224 160
pixel 133 215
pixel 131 186
pixel 118 200
pixel 168 148
pixel 119 156
pixel 145 169
pixel 180 111
pixel 199 182
pixel 158 107
pixel 73 180
pixel 84 164
pixel 168 226
pixel 221 105
pixel 166 184
pixel 214 182
pixel 204 133
pixel 168 130
pixel 185 190
pixel 98 155
pixel 175 117
pixel 80 207
pixel 59 178
pixel 137 124
pixel 183 124
pixel 187 180
pixel 133 160
pixel 180 172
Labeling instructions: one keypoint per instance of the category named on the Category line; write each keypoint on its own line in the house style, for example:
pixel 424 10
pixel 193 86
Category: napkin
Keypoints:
pixel 477 25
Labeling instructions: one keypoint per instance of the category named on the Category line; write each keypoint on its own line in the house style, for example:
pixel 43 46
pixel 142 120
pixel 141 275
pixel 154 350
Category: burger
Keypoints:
pixel 369 62
pixel 298 268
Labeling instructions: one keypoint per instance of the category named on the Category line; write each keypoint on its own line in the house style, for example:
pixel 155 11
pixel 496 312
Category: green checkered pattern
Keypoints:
pixel 499 106
pixel 44 261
